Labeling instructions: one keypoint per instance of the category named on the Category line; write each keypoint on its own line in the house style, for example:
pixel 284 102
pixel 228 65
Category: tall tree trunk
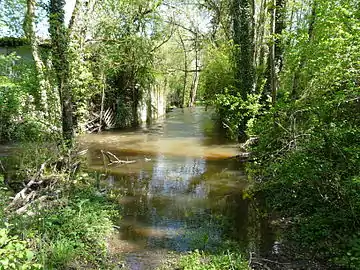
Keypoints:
pixel 272 54
pixel 243 24
pixel 30 31
pixel 279 28
pixel 262 56
pixel 194 88
pixel 79 23
pixel 103 86
pixel 185 70
pixel 195 83
pixel 260 31
pixel 59 45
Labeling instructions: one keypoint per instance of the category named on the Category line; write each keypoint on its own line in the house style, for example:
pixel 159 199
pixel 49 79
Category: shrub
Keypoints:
pixel 15 254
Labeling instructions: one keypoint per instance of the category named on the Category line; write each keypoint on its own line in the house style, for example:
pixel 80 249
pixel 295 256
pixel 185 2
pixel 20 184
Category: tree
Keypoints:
pixel 196 76
pixel 277 26
pixel 185 69
pixel 30 31
pixel 243 31
pixel 59 46
pixel 243 25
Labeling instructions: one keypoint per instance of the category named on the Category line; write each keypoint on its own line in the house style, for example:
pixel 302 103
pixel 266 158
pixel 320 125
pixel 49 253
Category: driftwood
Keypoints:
pixel 264 263
pixel 27 193
pixel 25 208
pixel 113 159
pixel 242 157
pixel 250 142
pixel 106 119
pixel 41 186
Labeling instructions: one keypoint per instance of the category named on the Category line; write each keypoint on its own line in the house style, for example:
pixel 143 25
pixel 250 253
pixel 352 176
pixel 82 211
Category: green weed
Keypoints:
pixel 201 261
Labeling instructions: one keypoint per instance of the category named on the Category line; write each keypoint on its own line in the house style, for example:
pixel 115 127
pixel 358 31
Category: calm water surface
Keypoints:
pixel 183 193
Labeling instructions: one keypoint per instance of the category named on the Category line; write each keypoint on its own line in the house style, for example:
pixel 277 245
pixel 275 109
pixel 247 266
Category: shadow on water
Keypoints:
pixel 183 193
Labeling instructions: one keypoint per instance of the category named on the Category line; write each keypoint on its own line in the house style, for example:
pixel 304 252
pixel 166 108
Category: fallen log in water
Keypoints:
pixel 113 159
pixel 243 157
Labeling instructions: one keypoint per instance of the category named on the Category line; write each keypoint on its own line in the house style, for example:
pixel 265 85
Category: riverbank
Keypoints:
pixel 178 202
pixel 52 216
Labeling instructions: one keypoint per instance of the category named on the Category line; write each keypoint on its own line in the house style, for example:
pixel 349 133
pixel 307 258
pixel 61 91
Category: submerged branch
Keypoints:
pixel 110 155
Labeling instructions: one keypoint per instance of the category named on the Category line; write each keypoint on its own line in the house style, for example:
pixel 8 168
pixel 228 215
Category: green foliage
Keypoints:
pixel 14 253
pixel 218 74
pixel 76 231
pixel 126 56
pixel 20 118
pixel 307 160
pixel 13 42
pixel 200 261
pixel 73 224
pixel 234 110
pixel 219 88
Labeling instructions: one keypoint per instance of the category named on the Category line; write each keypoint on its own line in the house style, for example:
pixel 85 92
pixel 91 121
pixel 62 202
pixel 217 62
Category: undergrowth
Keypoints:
pixel 198 260
pixel 68 231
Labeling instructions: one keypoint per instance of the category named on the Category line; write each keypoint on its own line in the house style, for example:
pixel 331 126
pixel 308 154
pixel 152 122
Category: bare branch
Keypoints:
pixel 110 155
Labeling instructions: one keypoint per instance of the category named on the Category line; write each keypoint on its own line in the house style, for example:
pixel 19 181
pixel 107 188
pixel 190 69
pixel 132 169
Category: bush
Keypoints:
pixel 307 161
pixel 218 86
pixel 15 253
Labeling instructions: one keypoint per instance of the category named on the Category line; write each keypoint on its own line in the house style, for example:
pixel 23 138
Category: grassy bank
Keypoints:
pixel 200 260
pixel 61 222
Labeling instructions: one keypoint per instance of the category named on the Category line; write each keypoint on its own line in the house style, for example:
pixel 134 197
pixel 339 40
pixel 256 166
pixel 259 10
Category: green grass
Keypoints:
pixel 77 231
pixel 73 232
pixel 197 260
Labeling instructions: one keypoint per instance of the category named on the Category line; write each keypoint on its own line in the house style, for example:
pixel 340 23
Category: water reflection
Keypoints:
pixel 183 193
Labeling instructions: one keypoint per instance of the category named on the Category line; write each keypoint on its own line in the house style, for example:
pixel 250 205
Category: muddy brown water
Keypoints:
pixel 184 191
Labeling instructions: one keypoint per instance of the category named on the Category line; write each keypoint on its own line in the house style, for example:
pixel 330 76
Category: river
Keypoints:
pixel 184 191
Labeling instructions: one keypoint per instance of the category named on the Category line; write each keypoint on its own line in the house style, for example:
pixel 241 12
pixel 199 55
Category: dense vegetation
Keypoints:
pixel 303 107
pixel 285 72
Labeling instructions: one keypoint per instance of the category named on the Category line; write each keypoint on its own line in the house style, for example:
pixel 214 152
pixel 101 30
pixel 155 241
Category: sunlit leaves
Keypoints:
pixel 308 161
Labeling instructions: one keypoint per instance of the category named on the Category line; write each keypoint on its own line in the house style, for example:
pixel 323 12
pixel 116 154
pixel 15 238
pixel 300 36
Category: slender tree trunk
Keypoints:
pixel 30 30
pixel 59 46
pixel 272 54
pixel 194 88
pixel 102 100
pixel 185 70
pixel 195 83
pixel 279 28
pixel 261 55
pixel 260 30
pixel 79 23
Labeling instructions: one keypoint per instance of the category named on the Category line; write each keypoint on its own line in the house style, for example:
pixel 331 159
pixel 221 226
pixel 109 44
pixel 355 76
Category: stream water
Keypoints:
pixel 184 191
